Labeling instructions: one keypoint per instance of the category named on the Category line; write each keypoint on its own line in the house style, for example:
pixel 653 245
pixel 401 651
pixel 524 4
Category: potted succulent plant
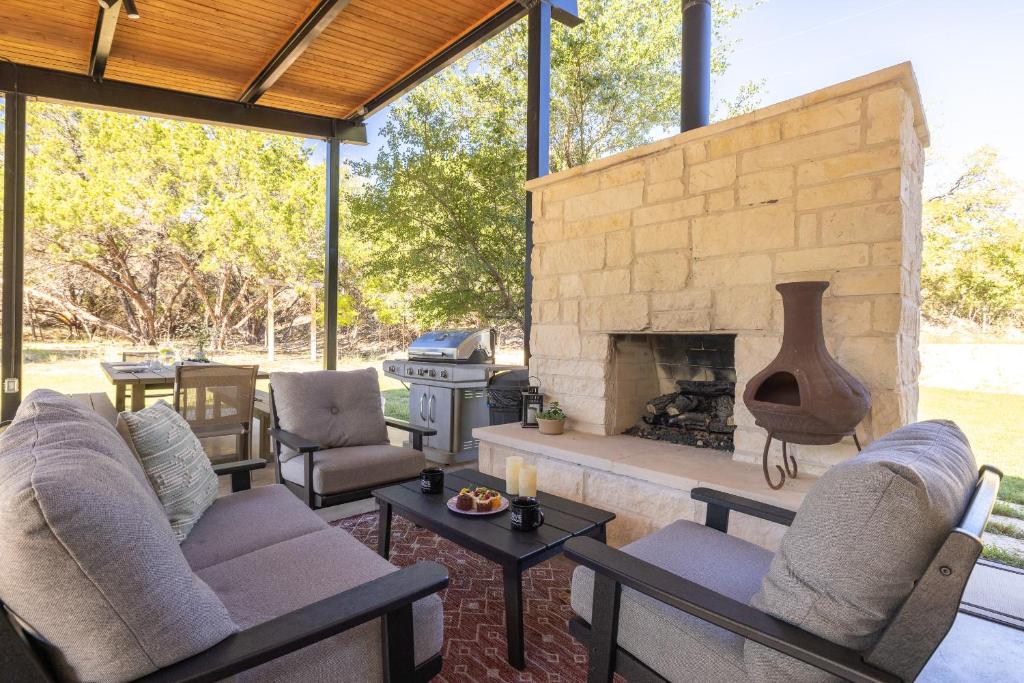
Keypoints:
pixel 552 420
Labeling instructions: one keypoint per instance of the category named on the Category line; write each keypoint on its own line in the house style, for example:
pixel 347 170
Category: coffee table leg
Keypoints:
pixel 384 529
pixel 512 579
pixel 119 397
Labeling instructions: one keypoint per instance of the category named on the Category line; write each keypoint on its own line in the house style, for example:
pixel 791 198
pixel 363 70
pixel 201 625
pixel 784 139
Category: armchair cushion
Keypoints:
pixel 337 470
pixel 678 646
pixel 292 574
pixel 864 535
pixel 87 557
pixel 246 521
pixel 333 408
pixel 175 463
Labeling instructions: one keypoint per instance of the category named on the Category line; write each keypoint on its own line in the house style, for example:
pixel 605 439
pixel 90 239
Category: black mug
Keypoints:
pixel 432 480
pixel 526 513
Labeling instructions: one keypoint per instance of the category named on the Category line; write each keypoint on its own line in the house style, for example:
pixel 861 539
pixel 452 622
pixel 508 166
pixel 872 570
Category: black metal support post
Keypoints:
pixel 696 86
pixel 14 253
pixel 331 263
pixel 538 133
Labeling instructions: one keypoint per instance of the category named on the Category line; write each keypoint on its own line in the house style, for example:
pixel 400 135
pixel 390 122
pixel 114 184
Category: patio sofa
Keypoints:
pixel 94 586
pixel 865 586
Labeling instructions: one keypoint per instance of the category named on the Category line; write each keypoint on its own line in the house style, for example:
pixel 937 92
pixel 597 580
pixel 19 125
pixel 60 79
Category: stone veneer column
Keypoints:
pixel 691 234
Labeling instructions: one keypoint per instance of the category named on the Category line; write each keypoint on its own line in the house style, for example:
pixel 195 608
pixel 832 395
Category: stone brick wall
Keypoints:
pixel 691 234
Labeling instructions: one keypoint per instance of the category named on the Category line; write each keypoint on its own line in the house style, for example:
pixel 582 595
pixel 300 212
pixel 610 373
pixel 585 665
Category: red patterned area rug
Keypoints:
pixel 474 617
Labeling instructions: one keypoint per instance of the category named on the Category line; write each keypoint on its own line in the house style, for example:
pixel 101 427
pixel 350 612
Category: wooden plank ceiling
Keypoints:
pixel 218 47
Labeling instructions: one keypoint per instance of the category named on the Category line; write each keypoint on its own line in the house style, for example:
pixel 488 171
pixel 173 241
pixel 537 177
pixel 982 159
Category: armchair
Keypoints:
pixel 330 436
pixel 690 602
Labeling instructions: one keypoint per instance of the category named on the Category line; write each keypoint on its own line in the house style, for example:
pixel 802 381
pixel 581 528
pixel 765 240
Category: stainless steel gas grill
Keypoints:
pixel 447 373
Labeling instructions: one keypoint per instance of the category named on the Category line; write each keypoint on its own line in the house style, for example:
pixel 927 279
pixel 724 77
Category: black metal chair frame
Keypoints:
pixel 910 639
pixel 306 448
pixel 23 658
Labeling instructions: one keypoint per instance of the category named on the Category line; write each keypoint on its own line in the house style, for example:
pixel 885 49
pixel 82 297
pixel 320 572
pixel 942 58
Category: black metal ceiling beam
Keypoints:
pixel 103 38
pixel 60 86
pixel 319 19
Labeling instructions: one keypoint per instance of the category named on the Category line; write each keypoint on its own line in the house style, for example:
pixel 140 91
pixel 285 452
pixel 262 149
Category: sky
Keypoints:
pixel 968 57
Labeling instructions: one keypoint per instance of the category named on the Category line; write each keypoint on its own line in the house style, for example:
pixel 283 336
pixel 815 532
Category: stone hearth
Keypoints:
pixel 691 234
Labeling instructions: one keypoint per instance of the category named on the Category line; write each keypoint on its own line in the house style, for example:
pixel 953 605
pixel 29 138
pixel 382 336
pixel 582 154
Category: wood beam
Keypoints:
pixel 313 25
pixel 497 23
pixel 103 38
pixel 60 86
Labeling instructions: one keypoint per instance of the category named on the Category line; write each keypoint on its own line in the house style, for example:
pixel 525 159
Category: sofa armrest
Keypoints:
pixel 294 441
pixel 720 503
pixel 614 569
pixel 415 431
pixel 389 596
pixel 240 471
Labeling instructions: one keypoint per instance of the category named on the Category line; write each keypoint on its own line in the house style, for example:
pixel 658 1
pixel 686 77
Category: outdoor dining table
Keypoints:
pixel 142 377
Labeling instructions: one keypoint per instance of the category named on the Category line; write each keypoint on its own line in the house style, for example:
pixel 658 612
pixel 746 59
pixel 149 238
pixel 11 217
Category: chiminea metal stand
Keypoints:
pixel 788 467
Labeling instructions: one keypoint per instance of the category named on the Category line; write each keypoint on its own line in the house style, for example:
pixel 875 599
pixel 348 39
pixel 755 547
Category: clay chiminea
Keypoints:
pixel 804 396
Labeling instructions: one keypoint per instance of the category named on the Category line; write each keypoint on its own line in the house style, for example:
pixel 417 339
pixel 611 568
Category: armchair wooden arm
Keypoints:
pixel 720 503
pixel 240 471
pixel 415 431
pixel 294 441
pixel 614 569
pixel 389 596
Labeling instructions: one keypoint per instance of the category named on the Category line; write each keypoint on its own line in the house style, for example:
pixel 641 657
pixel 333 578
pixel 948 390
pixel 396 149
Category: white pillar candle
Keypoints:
pixel 528 481
pixel 512 465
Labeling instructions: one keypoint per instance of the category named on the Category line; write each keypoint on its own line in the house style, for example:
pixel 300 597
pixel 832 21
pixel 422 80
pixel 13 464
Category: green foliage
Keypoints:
pixel 1012 489
pixel 973 264
pixel 552 412
pixel 443 206
pixel 1004 509
pixel 1008 557
pixel 1005 529
pixel 144 228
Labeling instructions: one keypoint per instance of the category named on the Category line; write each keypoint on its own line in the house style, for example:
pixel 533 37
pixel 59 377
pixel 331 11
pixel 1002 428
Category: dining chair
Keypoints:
pixel 217 400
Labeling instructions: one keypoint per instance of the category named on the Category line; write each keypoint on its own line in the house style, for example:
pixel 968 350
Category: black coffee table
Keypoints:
pixel 492 536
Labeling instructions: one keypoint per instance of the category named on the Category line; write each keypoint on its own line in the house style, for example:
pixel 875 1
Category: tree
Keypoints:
pixel 973 263
pixel 443 203
pixel 140 227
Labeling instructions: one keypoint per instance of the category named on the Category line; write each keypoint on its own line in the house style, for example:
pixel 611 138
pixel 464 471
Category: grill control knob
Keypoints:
pixel 433 373
pixel 444 374
pixel 391 368
pixel 408 371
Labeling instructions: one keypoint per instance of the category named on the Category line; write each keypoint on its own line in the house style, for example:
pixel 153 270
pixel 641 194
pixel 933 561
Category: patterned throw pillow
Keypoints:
pixel 175 463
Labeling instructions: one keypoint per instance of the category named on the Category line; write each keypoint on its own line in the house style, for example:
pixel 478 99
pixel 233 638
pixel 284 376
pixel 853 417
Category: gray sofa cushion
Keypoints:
pixel 676 645
pixel 331 407
pixel 175 463
pixel 246 521
pixel 92 430
pixel 863 536
pixel 301 571
pixel 358 467
pixel 87 557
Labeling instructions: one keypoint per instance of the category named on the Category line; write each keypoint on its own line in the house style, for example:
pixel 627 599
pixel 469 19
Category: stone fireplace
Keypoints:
pixel 686 238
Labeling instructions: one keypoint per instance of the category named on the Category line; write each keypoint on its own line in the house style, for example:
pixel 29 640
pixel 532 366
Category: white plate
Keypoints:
pixel 474 513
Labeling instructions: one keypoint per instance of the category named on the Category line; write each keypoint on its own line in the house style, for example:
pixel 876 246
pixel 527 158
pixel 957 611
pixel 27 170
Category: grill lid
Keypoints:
pixel 458 346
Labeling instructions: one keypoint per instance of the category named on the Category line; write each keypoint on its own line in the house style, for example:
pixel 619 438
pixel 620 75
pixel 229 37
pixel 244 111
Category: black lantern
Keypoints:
pixel 533 403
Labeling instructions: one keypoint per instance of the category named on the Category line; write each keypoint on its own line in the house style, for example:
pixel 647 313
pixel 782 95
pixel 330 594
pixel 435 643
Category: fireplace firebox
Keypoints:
pixel 679 388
